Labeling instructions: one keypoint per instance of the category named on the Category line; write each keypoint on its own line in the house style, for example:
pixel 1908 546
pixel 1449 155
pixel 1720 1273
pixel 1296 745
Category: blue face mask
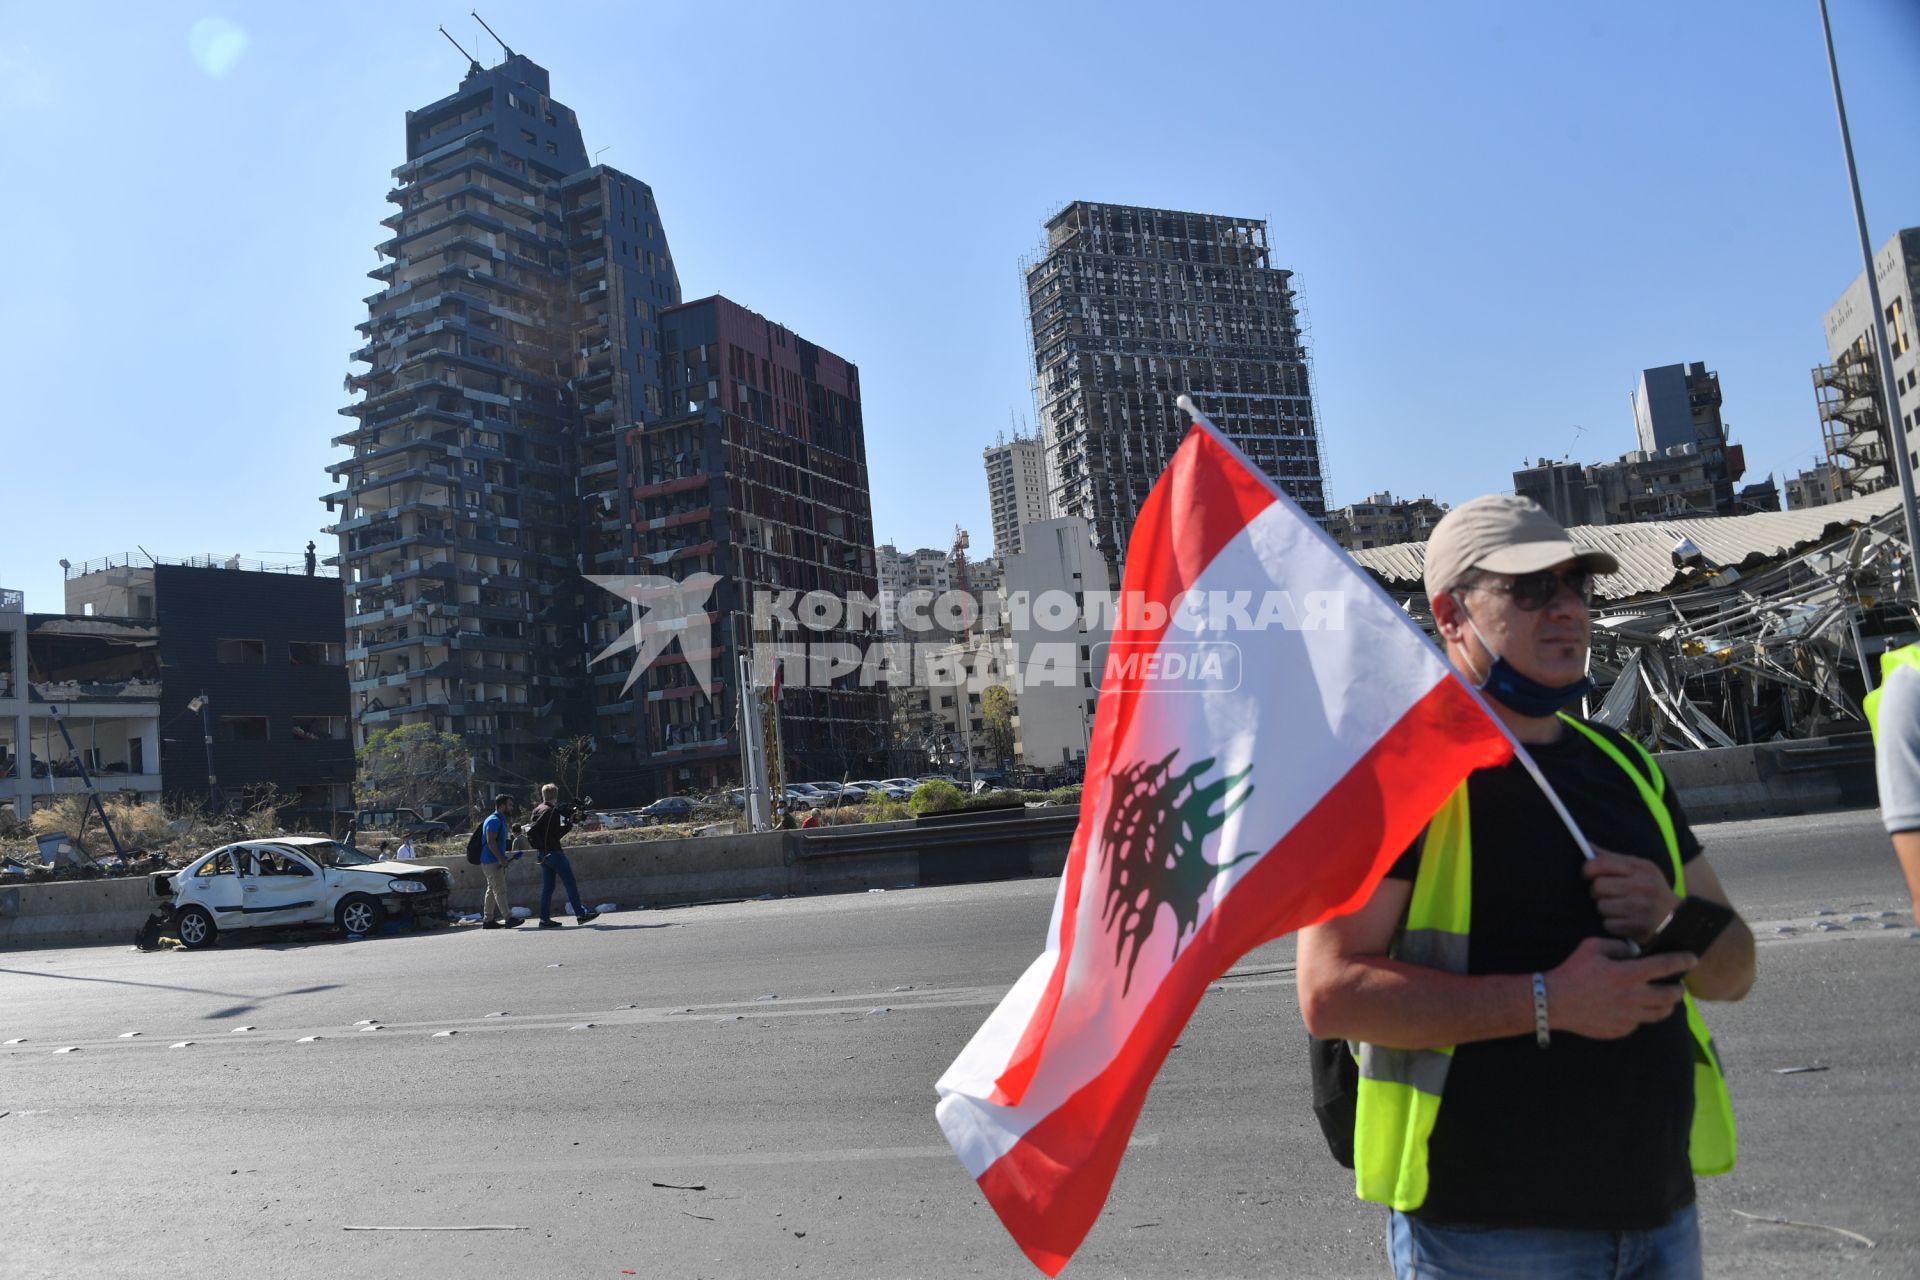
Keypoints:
pixel 1522 693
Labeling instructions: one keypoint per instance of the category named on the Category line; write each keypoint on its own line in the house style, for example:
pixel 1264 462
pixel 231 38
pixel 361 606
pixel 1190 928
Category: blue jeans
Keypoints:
pixel 556 864
pixel 1425 1251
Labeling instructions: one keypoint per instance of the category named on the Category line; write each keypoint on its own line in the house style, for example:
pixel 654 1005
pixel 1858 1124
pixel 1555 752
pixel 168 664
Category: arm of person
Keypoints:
pixel 1350 989
pixel 1906 847
pixel 1726 971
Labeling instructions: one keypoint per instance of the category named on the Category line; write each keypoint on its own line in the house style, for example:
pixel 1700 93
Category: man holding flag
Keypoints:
pixel 1533 1099
pixel 1230 811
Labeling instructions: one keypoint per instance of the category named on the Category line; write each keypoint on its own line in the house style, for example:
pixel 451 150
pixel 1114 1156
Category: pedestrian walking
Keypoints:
pixel 496 834
pixel 1893 713
pixel 406 851
pixel 1532 1099
pixel 545 829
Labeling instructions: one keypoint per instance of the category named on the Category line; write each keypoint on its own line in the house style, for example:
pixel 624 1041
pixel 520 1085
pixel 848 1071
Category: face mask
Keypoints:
pixel 1521 693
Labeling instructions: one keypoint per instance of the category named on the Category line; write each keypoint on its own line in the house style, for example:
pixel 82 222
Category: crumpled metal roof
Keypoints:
pixel 1645 551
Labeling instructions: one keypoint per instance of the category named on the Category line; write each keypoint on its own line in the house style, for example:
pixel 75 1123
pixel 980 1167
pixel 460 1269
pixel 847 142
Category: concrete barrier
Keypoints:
pixel 1773 779
pixel 1762 781
pixel 72 913
pixel 651 873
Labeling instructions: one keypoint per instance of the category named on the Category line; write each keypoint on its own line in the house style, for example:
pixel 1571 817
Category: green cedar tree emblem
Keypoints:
pixel 1151 845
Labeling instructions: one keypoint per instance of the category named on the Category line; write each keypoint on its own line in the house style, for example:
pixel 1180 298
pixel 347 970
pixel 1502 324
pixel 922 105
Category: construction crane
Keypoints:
pixel 959 557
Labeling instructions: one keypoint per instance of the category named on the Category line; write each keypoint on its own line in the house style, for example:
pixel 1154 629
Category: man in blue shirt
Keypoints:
pixel 495 835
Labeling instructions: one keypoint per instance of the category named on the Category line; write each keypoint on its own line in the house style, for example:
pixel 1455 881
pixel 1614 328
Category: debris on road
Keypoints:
pixel 1794 1071
pixel 682 1186
pixel 703 1217
pixel 1811 1226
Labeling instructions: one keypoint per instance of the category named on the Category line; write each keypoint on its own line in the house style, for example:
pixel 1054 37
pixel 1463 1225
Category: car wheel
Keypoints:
pixel 195 927
pixel 358 915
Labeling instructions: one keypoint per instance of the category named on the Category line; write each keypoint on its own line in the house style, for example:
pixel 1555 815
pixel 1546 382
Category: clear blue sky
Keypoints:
pixel 1498 213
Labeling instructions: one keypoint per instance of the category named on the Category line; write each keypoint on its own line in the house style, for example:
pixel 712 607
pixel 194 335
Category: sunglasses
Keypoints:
pixel 1533 592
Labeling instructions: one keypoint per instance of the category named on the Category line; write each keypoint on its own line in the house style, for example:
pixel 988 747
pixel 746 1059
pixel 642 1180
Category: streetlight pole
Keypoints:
pixel 200 704
pixel 1889 390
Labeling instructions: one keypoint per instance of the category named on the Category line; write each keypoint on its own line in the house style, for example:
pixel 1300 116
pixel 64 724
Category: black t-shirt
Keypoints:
pixel 1585 1134
pixel 546 827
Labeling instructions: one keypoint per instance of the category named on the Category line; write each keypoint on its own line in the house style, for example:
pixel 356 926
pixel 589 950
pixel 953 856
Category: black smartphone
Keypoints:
pixel 1693 926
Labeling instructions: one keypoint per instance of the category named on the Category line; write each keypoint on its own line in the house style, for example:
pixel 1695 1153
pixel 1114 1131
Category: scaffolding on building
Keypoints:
pixel 1853 422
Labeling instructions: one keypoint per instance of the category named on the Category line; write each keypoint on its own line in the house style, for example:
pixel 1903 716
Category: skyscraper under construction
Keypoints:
pixel 1131 308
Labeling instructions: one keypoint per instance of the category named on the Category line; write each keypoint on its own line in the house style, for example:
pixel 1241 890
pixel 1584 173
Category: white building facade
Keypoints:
pixel 1016 489
pixel 1056 678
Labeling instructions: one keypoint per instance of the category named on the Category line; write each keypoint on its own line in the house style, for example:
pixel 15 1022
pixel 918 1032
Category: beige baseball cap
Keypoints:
pixel 1501 533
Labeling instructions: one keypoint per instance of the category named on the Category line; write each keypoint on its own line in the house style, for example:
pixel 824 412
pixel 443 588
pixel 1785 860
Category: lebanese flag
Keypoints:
pixel 1225 805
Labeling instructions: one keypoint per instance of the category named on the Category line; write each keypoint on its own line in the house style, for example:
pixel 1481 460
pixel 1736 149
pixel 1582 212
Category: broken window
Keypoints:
pixel 247 652
pixel 313 653
pixel 319 728
pixel 244 728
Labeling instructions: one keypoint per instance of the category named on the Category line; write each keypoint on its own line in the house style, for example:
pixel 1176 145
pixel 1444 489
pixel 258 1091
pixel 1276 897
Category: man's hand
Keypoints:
pixel 1600 992
pixel 1634 898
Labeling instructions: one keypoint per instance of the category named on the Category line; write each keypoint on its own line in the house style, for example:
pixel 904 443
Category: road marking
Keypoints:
pixel 747 1159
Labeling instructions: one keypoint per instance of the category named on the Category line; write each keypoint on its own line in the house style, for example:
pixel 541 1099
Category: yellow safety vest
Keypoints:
pixel 1890 661
pixel 1400 1089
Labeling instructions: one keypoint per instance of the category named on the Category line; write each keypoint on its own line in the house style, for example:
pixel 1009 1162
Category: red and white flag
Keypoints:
pixel 1229 800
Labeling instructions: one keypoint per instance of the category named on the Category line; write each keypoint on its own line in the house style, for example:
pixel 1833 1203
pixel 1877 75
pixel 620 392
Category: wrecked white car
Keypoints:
pixel 293 880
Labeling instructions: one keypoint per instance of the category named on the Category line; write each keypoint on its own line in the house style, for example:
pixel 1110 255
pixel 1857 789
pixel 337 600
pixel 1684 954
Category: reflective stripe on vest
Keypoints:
pixel 1890 661
pixel 1400 1090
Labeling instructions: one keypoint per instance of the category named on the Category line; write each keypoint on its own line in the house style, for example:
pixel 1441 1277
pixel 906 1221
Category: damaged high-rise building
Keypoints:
pixel 1131 308
pixel 513 342
pixel 756 475
pixel 540 411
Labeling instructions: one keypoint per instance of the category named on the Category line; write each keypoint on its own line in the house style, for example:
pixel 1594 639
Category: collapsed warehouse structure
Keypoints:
pixel 1732 630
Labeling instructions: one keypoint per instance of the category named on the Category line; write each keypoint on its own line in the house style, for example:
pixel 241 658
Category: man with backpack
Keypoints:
pixel 488 847
pixel 544 830
pixel 1533 1097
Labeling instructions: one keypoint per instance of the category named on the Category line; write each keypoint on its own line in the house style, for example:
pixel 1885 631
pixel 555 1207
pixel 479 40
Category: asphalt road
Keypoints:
pixel 780 1056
